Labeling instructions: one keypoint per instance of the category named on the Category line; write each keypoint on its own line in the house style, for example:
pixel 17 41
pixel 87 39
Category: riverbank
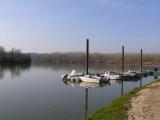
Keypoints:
pixel 125 107
pixel 146 105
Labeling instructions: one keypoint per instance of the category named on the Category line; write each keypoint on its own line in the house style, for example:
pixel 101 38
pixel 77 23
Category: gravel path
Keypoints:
pixel 146 105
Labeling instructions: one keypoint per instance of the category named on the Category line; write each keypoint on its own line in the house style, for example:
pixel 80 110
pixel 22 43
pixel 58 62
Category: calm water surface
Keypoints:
pixel 38 93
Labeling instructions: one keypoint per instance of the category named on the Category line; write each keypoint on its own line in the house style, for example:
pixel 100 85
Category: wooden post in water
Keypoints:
pixel 86 90
pixel 87 55
pixel 122 59
pixel 141 60
pixel 141 67
pixel 122 68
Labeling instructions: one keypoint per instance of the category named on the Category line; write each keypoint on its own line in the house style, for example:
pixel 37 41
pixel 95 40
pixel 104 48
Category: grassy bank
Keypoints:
pixel 117 109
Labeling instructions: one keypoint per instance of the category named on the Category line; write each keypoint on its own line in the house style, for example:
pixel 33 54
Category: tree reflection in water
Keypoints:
pixel 14 69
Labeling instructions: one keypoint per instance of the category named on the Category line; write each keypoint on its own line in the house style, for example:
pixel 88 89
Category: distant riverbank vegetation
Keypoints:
pixel 14 56
pixel 95 58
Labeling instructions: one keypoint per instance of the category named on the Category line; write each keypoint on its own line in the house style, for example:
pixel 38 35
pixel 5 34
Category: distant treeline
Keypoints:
pixel 95 58
pixel 14 56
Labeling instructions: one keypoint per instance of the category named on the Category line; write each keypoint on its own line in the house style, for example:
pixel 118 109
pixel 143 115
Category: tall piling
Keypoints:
pixel 87 72
pixel 87 56
pixel 122 69
pixel 141 66
pixel 122 59
pixel 141 60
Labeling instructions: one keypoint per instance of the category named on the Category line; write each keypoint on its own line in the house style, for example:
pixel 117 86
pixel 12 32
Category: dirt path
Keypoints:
pixel 146 105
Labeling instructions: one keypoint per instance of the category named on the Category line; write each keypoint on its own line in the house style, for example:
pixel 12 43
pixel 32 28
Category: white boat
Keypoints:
pixel 73 75
pixel 111 75
pixel 90 78
pixel 132 74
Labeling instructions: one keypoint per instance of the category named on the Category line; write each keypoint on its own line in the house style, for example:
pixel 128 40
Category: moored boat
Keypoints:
pixel 90 78
pixel 111 75
pixel 94 79
pixel 72 76
pixel 131 75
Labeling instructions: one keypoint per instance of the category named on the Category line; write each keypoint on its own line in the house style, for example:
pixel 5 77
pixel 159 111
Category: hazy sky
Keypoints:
pixel 63 25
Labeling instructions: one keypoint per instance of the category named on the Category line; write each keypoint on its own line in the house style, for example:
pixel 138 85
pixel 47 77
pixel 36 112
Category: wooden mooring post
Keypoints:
pixel 122 59
pixel 141 60
pixel 87 72
pixel 87 56
pixel 141 69
pixel 122 69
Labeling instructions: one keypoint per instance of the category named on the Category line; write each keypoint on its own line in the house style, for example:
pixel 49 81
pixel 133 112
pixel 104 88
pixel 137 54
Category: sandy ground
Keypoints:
pixel 146 105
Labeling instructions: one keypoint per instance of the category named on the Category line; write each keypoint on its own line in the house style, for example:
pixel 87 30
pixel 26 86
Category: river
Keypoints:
pixel 37 93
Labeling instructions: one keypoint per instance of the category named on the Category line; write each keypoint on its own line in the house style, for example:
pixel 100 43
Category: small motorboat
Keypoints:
pixel 131 75
pixel 111 75
pixel 72 76
pixel 90 78
pixel 94 79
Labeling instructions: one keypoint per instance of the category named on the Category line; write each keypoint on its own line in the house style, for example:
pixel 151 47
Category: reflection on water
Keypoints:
pixel 122 88
pixel 85 84
pixel 14 69
pixel 86 104
pixel 89 86
pixel 38 93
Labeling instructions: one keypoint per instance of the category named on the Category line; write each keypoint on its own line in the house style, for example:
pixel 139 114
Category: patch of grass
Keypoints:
pixel 117 109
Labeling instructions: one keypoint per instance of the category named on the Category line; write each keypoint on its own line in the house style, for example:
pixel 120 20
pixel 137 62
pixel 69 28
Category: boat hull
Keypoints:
pixel 92 80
